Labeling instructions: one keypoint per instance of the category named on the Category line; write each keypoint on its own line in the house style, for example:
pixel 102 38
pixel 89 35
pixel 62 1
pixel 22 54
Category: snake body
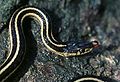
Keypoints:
pixel 89 79
pixel 17 40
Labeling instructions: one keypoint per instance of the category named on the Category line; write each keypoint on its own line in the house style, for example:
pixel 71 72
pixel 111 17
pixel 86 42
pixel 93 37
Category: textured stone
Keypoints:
pixel 73 18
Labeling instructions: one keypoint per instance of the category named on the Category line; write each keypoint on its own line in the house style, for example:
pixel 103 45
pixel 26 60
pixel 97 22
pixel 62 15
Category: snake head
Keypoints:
pixel 81 47
pixel 87 47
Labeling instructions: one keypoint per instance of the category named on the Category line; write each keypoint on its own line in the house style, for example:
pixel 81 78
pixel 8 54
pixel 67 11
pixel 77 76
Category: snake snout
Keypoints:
pixel 95 44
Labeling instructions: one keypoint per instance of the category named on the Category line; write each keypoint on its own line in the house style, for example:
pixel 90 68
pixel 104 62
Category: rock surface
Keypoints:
pixel 72 19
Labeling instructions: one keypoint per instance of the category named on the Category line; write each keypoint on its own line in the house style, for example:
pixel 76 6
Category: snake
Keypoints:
pixel 89 79
pixel 18 43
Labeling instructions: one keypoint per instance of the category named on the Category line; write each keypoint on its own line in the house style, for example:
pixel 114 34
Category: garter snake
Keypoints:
pixel 89 79
pixel 17 40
